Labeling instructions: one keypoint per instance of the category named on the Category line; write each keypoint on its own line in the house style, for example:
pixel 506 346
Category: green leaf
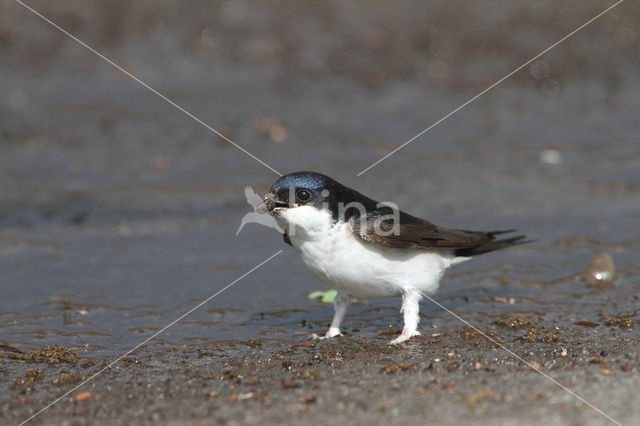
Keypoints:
pixel 324 296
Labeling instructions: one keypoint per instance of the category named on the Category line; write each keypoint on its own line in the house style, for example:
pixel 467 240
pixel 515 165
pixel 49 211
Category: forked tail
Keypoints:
pixel 491 244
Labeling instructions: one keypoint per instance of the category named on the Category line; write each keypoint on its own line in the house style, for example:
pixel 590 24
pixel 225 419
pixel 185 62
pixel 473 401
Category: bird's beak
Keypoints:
pixel 271 203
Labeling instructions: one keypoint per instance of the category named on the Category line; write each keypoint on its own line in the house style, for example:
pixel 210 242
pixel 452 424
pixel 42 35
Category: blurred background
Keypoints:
pixel 118 212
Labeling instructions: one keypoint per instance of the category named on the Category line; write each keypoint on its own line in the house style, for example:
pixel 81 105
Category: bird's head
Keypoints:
pixel 299 189
pixel 306 198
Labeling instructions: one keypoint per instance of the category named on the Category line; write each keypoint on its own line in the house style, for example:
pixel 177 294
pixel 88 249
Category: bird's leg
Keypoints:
pixel 411 310
pixel 340 304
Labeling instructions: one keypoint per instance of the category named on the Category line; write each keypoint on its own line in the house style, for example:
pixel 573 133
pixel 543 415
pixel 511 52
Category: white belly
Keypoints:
pixel 343 261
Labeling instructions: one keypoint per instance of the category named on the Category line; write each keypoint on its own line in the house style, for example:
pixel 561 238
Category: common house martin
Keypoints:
pixel 365 248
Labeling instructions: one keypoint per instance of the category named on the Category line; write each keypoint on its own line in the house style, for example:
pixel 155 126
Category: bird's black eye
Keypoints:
pixel 303 195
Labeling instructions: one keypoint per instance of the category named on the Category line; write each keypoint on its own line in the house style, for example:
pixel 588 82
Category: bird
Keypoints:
pixel 254 200
pixel 369 249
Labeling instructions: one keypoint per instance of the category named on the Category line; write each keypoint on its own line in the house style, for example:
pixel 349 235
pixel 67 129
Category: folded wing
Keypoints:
pixel 410 232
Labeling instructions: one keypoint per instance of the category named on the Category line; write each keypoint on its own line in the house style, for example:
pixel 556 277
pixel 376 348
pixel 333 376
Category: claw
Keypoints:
pixel 333 332
pixel 406 335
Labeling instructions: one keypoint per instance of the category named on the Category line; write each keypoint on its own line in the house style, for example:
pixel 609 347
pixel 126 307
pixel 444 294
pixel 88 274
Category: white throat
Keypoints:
pixel 307 222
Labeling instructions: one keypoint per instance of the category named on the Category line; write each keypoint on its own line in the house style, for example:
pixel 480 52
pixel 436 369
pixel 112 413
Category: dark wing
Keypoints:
pixel 285 237
pixel 414 233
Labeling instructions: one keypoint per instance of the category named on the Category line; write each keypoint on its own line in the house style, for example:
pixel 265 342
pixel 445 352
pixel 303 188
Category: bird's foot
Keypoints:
pixel 332 332
pixel 406 335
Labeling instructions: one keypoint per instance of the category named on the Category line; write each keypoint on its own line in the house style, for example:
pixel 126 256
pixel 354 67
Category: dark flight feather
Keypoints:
pixel 416 233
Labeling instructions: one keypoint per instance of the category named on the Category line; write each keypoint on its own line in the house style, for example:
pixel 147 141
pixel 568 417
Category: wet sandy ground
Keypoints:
pixel 452 376
pixel 118 213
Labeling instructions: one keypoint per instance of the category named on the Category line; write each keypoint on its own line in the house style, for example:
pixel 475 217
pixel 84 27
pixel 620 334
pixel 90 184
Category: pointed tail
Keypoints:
pixel 492 244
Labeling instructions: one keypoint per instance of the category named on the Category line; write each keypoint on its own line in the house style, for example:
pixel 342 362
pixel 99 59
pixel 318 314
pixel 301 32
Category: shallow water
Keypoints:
pixel 118 213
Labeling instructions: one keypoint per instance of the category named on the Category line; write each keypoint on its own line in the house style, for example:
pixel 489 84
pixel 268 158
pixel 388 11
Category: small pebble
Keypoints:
pixel 84 396
pixel 601 272
pixel 551 156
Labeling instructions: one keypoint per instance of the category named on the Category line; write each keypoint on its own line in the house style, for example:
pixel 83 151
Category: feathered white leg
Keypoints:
pixel 340 304
pixel 411 309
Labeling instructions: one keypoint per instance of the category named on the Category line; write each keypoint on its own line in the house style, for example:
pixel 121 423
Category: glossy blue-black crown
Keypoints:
pixel 327 193
pixel 309 180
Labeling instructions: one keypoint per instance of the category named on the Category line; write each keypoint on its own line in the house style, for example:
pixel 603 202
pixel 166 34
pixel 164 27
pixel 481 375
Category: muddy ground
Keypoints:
pixel 118 213
pixel 453 376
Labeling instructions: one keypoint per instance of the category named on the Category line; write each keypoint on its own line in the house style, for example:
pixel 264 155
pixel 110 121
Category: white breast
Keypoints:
pixel 342 260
